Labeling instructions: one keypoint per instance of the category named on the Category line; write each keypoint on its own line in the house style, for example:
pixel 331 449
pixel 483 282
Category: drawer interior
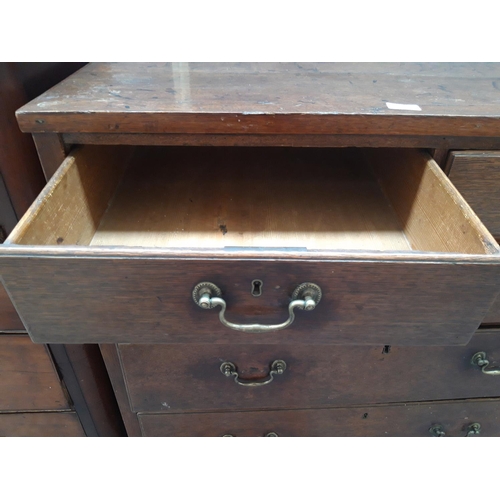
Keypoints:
pixel 287 199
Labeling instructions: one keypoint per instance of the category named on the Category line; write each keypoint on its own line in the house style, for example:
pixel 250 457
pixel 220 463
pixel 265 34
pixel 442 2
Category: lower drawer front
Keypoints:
pixel 452 419
pixel 61 424
pixel 174 378
pixel 28 379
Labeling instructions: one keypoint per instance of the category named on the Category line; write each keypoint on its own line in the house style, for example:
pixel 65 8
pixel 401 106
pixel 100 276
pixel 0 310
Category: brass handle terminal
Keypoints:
pixel 306 297
pixel 229 370
pixel 479 359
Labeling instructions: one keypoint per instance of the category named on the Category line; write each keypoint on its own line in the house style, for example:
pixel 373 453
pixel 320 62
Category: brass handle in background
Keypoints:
pixel 479 359
pixel 229 370
pixel 306 296
pixel 473 429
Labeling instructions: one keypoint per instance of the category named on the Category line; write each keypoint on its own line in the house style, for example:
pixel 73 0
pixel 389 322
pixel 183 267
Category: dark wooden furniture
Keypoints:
pixel 289 227
pixel 44 390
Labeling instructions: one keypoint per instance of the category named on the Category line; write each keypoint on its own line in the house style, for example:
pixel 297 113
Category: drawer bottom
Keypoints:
pixel 452 419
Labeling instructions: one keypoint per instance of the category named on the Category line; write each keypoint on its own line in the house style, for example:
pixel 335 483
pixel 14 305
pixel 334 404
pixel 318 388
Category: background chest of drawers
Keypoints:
pixel 259 179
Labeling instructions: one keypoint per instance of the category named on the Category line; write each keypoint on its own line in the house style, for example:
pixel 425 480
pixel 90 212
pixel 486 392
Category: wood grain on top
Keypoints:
pixel 456 99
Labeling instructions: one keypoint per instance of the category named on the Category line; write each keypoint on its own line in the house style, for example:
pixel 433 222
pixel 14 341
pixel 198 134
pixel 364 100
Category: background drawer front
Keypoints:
pixel 62 424
pixel 182 378
pixel 28 379
pixel 9 319
pixel 394 420
pixel 476 174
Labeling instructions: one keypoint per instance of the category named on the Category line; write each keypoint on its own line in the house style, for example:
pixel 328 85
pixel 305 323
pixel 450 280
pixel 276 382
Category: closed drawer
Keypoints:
pixel 452 419
pixel 58 424
pixel 114 248
pixel 28 379
pixel 170 378
pixel 476 174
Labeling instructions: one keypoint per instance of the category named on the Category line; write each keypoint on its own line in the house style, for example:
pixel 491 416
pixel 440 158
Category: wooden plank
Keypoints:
pixel 384 421
pixel 28 379
pixel 113 365
pixel 149 300
pixel 283 140
pixel 69 209
pixel 60 424
pixel 476 174
pixel 433 214
pixel 276 98
pixel 186 378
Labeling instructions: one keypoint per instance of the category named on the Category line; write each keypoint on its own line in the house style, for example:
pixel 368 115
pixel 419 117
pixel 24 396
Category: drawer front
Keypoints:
pixel 172 378
pixel 28 379
pixel 476 174
pixel 9 319
pixel 454 419
pixel 141 300
pixel 60 424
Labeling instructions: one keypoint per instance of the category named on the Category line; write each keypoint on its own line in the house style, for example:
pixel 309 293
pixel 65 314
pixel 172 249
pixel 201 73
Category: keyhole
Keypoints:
pixel 257 288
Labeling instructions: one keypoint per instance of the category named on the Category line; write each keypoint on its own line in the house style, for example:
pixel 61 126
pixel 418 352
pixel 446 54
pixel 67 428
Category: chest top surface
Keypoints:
pixel 459 99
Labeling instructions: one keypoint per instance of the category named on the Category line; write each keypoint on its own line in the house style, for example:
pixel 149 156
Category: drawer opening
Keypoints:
pixel 285 199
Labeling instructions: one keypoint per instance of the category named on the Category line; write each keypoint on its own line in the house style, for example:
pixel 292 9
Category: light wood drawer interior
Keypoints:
pixel 114 245
pixel 303 200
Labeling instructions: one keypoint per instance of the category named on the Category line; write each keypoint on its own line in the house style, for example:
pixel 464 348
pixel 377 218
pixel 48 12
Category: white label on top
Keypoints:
pixel 404 107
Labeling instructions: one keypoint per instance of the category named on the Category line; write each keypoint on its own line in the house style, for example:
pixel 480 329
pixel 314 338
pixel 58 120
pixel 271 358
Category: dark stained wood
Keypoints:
pixel 51 152
pixel 286 140
pixel 277 98
pixel 476 174
pixel 148 300
pixel 60 424
pixel 370 297
pixel 173 379
pixel 19 165
pixel 440 156
pixel 381 420
pixel 96 390
pixel 9 319
pixel 113 365
pixel 493 316
pixel 28 379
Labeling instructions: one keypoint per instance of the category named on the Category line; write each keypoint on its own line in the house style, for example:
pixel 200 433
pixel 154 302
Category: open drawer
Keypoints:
pixel 116 244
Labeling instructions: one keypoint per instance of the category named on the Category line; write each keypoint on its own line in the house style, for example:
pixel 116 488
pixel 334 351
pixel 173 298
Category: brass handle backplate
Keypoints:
pixel 229 370
pixel 306 296
pixel 479 359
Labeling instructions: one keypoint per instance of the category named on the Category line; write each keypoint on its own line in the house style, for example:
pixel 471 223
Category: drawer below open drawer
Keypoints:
pixel 180 378
pixel 456 419
pixel 119 247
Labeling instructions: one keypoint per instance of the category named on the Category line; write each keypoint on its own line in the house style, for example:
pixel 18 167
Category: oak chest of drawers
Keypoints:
pixel 271 249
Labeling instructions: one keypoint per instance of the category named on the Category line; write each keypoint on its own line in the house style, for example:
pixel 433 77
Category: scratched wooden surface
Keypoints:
pixel 455 99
